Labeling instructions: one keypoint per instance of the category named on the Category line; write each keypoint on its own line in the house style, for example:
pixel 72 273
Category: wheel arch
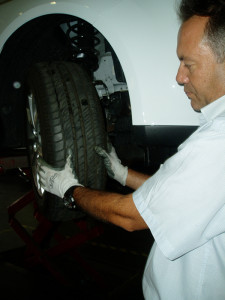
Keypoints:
pixel 20 35
pixel 14 17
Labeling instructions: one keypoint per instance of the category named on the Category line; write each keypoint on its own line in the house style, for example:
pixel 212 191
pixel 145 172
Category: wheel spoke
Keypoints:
pixel 35 146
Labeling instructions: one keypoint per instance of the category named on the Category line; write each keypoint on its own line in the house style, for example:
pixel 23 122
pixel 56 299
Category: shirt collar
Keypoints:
pixel 212 110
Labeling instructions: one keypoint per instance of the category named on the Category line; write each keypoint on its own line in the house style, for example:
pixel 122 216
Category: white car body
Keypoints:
pixel 143 35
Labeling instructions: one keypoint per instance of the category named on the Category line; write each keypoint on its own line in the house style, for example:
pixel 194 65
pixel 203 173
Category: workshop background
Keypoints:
pixel 108 266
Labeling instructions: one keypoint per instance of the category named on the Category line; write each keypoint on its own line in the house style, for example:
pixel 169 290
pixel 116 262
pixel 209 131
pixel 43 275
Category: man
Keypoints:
pixel 183 204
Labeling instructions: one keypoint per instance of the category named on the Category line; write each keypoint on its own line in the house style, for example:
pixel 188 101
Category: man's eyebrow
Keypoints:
pixel 187 58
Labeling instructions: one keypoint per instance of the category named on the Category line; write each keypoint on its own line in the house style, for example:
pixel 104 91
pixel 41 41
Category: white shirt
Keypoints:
pixel 183 204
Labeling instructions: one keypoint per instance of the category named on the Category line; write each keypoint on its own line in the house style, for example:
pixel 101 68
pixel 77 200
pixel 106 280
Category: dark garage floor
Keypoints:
pixel 118 258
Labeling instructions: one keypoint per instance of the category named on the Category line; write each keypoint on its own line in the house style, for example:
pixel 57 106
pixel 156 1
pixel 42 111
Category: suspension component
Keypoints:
pixel 82 36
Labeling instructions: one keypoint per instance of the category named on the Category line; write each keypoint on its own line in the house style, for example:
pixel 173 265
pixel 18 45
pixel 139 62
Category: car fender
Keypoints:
pixel 142 34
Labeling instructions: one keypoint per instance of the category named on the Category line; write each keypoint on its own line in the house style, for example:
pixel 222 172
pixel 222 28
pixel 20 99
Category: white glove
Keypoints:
pixel 54 180
pixel 113 164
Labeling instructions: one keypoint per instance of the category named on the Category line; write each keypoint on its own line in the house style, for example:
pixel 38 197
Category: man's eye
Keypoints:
pixel 187 66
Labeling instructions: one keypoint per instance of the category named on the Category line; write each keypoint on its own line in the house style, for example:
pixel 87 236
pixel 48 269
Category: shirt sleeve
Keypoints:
pixel 183 203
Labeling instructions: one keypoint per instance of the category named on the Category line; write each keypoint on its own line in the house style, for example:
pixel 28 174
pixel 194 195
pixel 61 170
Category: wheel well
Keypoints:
pixel 42 39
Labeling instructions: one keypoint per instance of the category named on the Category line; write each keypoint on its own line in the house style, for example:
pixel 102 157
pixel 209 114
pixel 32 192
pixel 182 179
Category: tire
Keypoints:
pixel 64 115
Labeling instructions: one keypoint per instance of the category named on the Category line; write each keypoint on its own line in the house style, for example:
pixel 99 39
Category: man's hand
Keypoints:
pixel 54 180
pixel 113 164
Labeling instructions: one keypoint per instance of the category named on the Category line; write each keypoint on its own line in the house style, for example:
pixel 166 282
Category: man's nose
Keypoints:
pixel 182 76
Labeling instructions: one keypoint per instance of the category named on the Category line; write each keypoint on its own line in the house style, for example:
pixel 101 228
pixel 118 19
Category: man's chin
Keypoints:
pixel 195 107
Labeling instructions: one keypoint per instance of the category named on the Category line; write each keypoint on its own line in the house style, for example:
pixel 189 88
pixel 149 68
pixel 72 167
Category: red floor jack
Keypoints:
pixel 35 253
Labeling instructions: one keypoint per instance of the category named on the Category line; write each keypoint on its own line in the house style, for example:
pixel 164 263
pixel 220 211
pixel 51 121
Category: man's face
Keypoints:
pixel 201 75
